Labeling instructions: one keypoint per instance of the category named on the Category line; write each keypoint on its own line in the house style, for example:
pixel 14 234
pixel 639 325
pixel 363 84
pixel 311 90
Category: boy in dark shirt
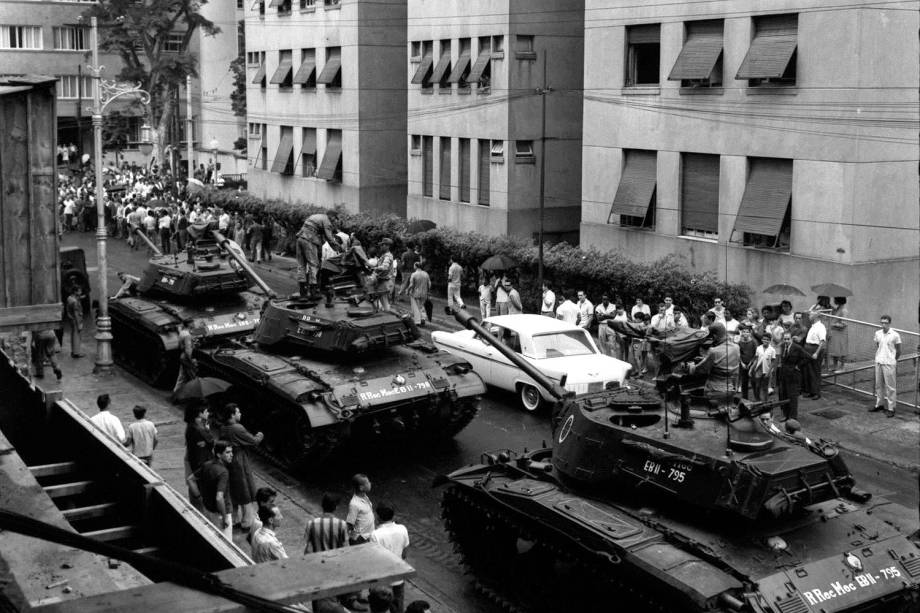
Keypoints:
pixel 748 348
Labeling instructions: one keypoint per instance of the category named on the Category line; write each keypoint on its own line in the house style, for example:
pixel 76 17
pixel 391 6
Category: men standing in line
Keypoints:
pixel 107 422
pixel 328 532
pixel 142 435
pixel 603 312
pixel 887 352
pixel 265 543
pixel 548 304
pixel 792 360
pixel 454 280
pixel 566 311
pixel 585 311
pixel 815 342
pixel 360 518
pixel 418 287
pixel 74 311
pixel 316 229
pixel 214 484
pixel 393 537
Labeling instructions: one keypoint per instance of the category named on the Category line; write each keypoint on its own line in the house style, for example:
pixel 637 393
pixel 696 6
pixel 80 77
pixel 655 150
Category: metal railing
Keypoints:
pixel 850 359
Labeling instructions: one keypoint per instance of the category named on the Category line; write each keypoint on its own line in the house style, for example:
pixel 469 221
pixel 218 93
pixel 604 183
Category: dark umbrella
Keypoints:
pixel 830 289
pixel 784 289
pixel 498 262
pixel 200 388
pixel 417 226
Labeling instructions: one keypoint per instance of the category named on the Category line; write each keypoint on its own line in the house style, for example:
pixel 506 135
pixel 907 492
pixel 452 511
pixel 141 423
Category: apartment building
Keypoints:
pixel 326 102
pixel 770 142
pixel 479 74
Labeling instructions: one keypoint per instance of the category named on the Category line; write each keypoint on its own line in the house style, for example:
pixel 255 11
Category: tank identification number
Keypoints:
pixel 395 391
pixel 668 472
pixel 838 588
pixel 232 324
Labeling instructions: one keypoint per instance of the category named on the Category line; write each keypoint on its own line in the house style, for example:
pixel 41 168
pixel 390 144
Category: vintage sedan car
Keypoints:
pixel 555 347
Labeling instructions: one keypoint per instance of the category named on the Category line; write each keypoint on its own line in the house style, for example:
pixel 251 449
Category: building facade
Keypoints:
pixel 771 143
pixel 326 102
pixel 479 74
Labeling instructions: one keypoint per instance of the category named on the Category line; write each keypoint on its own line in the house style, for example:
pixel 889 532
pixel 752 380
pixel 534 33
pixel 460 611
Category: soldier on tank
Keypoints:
pixel 317 229
pixel 721 364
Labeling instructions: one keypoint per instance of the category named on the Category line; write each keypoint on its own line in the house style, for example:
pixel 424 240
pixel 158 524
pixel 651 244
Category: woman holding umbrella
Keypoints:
pixel 242 483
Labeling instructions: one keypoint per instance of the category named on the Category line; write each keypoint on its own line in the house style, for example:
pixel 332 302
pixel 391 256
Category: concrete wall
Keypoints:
pixel 507 112
pixel 372 173
pixel 849 124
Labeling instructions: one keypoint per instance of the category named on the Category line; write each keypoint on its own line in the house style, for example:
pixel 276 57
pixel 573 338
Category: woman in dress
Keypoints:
pixel 242 484
pixel 839 340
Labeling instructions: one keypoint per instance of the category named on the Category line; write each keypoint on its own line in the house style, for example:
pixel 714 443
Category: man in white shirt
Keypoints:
pixel 360 517
pixel 107 422
pixel 395 539
pixel 548 305
pixel 640 307
pixel 669 305
pixel 887 352
pixel 602 312
pixel 815 341
pixel 223 222
pixel 567 311
pixel 265 544
pixel 661 321
pixel 585 311
pixel 718 309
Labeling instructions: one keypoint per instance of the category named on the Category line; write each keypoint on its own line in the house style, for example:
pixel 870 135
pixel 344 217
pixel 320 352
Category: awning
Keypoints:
pixel 283 155
pixel 260 74
pixel 699 192
pixel 479 66
pixel 306 71
pixel 698 58
pixel 643 34
pixel 308 147
pixel 277 2
pixel 463 62
pixel 330 70
pixel 768 56
pixel 256 3
pixel 282 72
pixel 766 197
pixel 637 184
pixel 331 159
pixel 424 70
pixel 441 69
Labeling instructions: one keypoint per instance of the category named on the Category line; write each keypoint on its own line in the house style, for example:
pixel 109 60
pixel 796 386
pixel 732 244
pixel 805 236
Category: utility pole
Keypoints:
pixel 189 125
pixel 79 113
pixel 542 91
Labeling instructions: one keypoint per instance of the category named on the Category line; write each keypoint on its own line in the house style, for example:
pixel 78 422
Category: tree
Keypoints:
pixel 116 132
pixel 152 39
pixel 238 68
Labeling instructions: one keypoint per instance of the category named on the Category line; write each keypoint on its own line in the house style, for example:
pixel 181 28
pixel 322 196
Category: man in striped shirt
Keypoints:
pixel 326 531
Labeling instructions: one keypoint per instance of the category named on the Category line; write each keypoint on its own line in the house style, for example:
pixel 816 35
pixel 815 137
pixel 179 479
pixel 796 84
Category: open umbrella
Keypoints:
pixel 417 226
pixel 498 262
pixel 200 388
pixel 194 186
pixel 784 289
pixel 830 289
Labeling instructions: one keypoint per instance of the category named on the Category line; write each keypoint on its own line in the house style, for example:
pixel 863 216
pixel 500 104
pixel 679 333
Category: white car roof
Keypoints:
pixel 531 324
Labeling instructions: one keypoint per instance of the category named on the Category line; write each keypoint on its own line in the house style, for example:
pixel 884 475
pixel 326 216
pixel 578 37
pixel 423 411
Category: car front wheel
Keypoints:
pixel 530 397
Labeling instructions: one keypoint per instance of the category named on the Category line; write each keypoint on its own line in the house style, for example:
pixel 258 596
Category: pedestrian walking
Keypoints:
pixel 242 483
pixel 791 361
pixel 454 281
pixel 74 311
pixel 213 482
pixel 360 517
pixel 141 435
pixel 418 287
pixel 199 444
pixel 394 538
pixel 501 298
pixel 266 546
pixel 548 302
pixel 105 421
pixel 164 225
pixel 815 344
pixel 43 350
pixel 887 352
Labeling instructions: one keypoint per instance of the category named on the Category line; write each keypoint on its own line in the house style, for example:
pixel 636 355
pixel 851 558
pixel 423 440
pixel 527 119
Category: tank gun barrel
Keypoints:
pixel 469 322
pixel 134 229
pixel 224 242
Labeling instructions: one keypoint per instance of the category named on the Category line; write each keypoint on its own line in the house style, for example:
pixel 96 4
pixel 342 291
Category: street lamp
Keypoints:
pixel 146 144
pixel 215 146
pixel 104 92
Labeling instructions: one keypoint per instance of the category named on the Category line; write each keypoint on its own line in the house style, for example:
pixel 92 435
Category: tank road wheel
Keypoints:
pixel 531 400
pixel 295 445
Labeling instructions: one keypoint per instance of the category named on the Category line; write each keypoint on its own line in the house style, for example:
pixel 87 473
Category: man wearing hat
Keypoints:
pixel 721 363
pixel 383 271
pixel 317 229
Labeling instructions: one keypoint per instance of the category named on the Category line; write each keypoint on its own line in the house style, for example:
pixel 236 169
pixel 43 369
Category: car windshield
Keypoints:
pixel 561 344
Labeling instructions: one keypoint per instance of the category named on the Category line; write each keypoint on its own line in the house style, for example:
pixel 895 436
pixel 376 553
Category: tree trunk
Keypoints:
pixel 160 134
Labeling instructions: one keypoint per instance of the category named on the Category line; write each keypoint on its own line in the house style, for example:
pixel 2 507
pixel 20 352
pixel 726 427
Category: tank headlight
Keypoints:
pixel 399 380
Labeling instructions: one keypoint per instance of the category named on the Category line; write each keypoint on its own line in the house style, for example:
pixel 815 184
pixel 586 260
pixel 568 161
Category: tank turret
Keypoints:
pixel 732 514
pixel 206 287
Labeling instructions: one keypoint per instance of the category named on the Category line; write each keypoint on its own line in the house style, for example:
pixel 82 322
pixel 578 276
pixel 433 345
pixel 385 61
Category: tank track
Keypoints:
pixel 556 577
pixel 141 353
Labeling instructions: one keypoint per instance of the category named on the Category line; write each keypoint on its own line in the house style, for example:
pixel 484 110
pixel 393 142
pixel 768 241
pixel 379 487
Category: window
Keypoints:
pixel 255 130
pixel 498 46
pixel 331 3
pixel 416 146
pixel 699 195
pixel 485 183
pixel 71 38
pixel 284 156
pixel 174 42
pixel 425 67
pixel 20 37
pixel 263 156
pixel 523 47
pixel 306 74
pixel 464 170
pixel 415 51
pixel 461 71
pixel 331 75
pixel 764 215
pixel 481 71
pixel 441 72
pixel 331 167
pixel 428 166
pixel 308 152
pixel 498 151
pixel 284 6
pixel 283 76
pixel 307 5
pixel 700 61
pixel 254 58
pixel 771 59
pixel 239 4
pixel 71 86
pixel 634 203
pixel 259 78
pixel 643 54
pixel 523 152
pixel 444 188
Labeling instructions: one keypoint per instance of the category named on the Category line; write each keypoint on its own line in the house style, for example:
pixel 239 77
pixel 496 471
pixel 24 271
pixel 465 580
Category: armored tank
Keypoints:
pixel 627 512
pixel 207 287
pixel 317 374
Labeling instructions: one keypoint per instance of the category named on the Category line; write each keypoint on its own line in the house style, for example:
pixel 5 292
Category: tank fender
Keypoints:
pixel 318 414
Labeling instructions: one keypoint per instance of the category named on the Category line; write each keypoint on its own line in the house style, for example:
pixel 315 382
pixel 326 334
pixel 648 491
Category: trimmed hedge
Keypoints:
pixel 564 266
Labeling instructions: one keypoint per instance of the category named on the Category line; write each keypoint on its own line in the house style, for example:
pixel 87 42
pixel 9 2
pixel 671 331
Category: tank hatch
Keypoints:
pixel 593 516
